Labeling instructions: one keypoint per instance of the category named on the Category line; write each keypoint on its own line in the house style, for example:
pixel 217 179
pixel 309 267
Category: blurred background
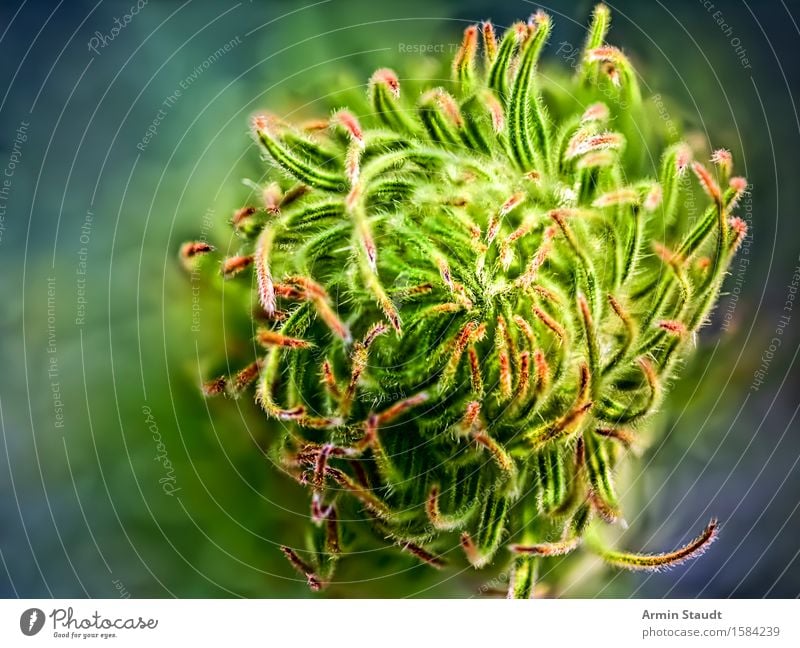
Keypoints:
pixel 124 133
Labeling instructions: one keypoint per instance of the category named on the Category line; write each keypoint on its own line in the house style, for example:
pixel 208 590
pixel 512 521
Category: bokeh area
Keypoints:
pixel 124 133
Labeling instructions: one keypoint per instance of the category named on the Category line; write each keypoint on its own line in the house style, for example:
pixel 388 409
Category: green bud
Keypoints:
pixel 464 297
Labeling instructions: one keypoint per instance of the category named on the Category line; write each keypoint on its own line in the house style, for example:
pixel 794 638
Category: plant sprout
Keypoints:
pixel 471 302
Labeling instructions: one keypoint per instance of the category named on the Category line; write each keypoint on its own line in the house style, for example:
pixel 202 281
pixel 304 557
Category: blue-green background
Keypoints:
pixel 82 512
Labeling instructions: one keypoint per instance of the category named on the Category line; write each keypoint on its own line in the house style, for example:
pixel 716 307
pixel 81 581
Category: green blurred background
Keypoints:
pixel 107 169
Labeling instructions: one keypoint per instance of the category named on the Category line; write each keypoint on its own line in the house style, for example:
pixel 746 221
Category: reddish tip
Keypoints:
pixel 722 157
pixel 232 266
pixel 350 123
pixel 215 387
pixel 195 248
pixel 261 122
pixel 596 112
pixel 708 183
pixel 241 214
pixel 389 78
pixel 673 326
pixel 683 158
pixel 605 53
pixel 739 229
pixel 653 198
pixel 539 19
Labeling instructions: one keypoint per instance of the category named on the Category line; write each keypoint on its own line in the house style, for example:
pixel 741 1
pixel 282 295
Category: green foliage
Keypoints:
pixel 468 303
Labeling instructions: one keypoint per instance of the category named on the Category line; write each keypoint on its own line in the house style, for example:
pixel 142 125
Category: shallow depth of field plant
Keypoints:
pixel 470 300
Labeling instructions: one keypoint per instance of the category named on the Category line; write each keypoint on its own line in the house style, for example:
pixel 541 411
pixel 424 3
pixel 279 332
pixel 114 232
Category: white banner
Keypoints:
pixel 398 623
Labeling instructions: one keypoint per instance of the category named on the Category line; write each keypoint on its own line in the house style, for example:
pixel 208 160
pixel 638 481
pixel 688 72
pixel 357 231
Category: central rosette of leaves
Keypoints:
pixel 468 302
